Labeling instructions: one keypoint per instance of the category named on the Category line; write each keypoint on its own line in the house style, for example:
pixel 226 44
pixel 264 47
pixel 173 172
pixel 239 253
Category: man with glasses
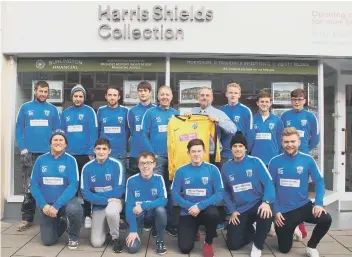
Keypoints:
pixel 306 124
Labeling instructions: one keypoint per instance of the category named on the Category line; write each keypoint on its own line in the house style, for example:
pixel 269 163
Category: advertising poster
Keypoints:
pixel 189 90
pixel 130 92
pixel 312 95
pixel 56 90
pixel 281 91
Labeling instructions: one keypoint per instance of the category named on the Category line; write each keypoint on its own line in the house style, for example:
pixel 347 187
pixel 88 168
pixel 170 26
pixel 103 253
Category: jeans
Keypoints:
pixel 160 220
pixel 51 229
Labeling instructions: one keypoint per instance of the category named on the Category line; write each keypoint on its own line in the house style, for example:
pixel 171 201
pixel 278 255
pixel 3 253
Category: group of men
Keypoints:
pixel 263 171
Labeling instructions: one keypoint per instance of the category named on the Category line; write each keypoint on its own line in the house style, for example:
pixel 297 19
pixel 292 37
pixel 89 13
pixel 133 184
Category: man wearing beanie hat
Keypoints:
pixel 79 122
pixel 249 192
pixel 54 184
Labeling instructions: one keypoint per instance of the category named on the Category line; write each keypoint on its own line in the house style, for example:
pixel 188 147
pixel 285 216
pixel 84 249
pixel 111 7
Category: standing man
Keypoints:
pixel 79 122
pixel 113 125
pixel 307 126
pixel 197 188
pixel 290 172
pixel 134 117
pixel 249 192
pixel 146 198
pixel 223 123
pixel 54 185
pixel 239 114
pixel 154 139
pixel 103 184
pixel 35 122
pixel 268 130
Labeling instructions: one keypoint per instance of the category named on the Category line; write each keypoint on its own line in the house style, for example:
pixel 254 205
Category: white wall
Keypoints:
pixel 237 28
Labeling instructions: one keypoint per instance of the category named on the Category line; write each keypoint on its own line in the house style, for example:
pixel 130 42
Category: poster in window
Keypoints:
pixel 281 91
pixel 312 95
pixel 279 111
pixel 130 92
pixel 56 90
pixel 189 90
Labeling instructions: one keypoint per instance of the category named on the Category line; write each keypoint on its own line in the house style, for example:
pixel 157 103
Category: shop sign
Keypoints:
pixel 92 64
pixel 245 66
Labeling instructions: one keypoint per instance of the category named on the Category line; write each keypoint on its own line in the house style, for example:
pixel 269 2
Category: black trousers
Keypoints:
pixel 244 233
pixel 188 228
pixel 296 217
pixel 81 161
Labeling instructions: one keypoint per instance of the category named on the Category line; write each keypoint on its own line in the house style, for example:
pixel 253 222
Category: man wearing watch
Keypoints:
pixel 249 192
pixel 291 171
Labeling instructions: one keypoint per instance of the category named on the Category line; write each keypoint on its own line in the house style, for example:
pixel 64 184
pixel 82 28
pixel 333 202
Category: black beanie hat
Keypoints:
pixel 58 132
pixel 239 138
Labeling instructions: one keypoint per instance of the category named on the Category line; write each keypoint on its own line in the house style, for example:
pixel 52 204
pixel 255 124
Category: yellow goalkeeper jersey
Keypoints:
pixel 180 131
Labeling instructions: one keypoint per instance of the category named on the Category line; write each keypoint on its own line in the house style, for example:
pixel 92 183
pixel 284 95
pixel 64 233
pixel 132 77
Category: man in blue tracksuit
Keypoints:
pixel 268 129
pixel 102 185
pixel 113 124
pixel 197 188
pixel 307 126
pixel 79 122
pixel 134 117
pixel 290 172
pixel 249 192
pixel 35 122
pixel 154 140
pixel 54 184
pixel 146 198
pixel 239 114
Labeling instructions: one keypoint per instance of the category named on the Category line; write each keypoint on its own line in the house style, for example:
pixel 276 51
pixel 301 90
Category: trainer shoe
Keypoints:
pixel 272 232
pixel 311 252
pixel 72 245
pixel 24 225
pixel 88 222
pixel 171 231
pixel 160 248
pixel 297 235
pixel 303 230
pixel 256 252
pixel 208 250
pixel 220 226
pixel 117 247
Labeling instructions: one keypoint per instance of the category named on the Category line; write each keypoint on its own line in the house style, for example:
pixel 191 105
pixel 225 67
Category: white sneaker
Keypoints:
pixel 311 252
pixel 272 232
pixel 297 235
pixel 255 252
pixel 88 222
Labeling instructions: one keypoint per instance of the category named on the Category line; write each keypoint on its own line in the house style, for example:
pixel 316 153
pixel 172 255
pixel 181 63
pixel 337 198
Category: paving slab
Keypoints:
pixel 346 241
pixel 14 240
pixel 347 232
pixel 75 253
pixel 37 249
pixel 295 252
pixel 332 248
pixel 33 230
pixel 7 252
pixel 6 224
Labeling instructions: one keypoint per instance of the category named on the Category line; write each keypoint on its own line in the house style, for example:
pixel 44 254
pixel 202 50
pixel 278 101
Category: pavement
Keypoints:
pixel 336 243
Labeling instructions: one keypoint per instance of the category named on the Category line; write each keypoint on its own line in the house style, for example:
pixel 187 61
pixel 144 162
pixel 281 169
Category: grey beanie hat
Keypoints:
pixel 58 132
pixel 78 87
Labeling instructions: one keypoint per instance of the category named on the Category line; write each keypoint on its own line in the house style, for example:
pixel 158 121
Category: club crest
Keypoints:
pixel 136 117
pixel 280 171
pixel 255 126
pixel 30 113
pixel 62 168
pixel 205 180
pixel 187 181
pixel 271 126
pixel 300 170
pixel 303 122
pixel 249 173
pixel 231 178
pixel 237 118
pixel 137 193
pixel 44 168
pixel 154 191
pixel 194 125
pixel 120 119
pixel 93 178
pixel 80 116
pixel 108 177
pixel 46 112
pixel 158 119
pixel 68 118
pixel 104 120
pixel 288 123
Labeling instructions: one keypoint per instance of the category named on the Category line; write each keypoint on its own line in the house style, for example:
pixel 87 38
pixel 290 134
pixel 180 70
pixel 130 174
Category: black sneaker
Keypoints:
pixel 160 248
pixel 154 232
pixel 117 247
pixel 171 231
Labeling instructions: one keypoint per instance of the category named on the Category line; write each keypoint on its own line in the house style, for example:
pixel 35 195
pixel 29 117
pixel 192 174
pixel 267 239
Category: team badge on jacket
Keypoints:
pixel 80 116
pixel 249 173
pixel 120 119
pixel 300 170
pixel 271 126
pixel 62 168
pixel 237 118
pixel 303 122
pixel 44 168
pixel 205 180
pixel 47 112
pixel 137 194
pixel 108 177
pixel 154 191
pixel 93 178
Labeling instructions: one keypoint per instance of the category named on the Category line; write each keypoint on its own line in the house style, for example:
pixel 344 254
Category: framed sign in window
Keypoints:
pixel 56 90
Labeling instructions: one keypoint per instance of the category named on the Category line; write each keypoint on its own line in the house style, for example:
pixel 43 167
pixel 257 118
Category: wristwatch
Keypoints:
pixel 266 201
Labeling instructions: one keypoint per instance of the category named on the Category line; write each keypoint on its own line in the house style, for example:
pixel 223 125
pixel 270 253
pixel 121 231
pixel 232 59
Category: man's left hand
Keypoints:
pixel 194 211
pixel 318 210
pixel 138 209
pixel 53 212
pixel 264 211
pixel 213 118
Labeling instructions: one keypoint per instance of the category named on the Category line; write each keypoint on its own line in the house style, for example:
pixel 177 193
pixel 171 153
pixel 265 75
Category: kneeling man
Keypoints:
pixel 249 192
pixel 102 184
pixel 54 184
pixel 146 198
pixel 197 188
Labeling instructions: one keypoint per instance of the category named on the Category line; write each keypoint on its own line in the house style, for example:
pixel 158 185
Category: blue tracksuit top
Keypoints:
pixel 101 181
pixel 291 176
pixel 267 142
pixel 307 126
pixel 113 125
pixel 154 129
pixel 149 193
pixel 35 123
pixel 197 185
pixel 246 183
pixel 54 181
pixel 242 116
pixel 81 128
pixel 134 117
